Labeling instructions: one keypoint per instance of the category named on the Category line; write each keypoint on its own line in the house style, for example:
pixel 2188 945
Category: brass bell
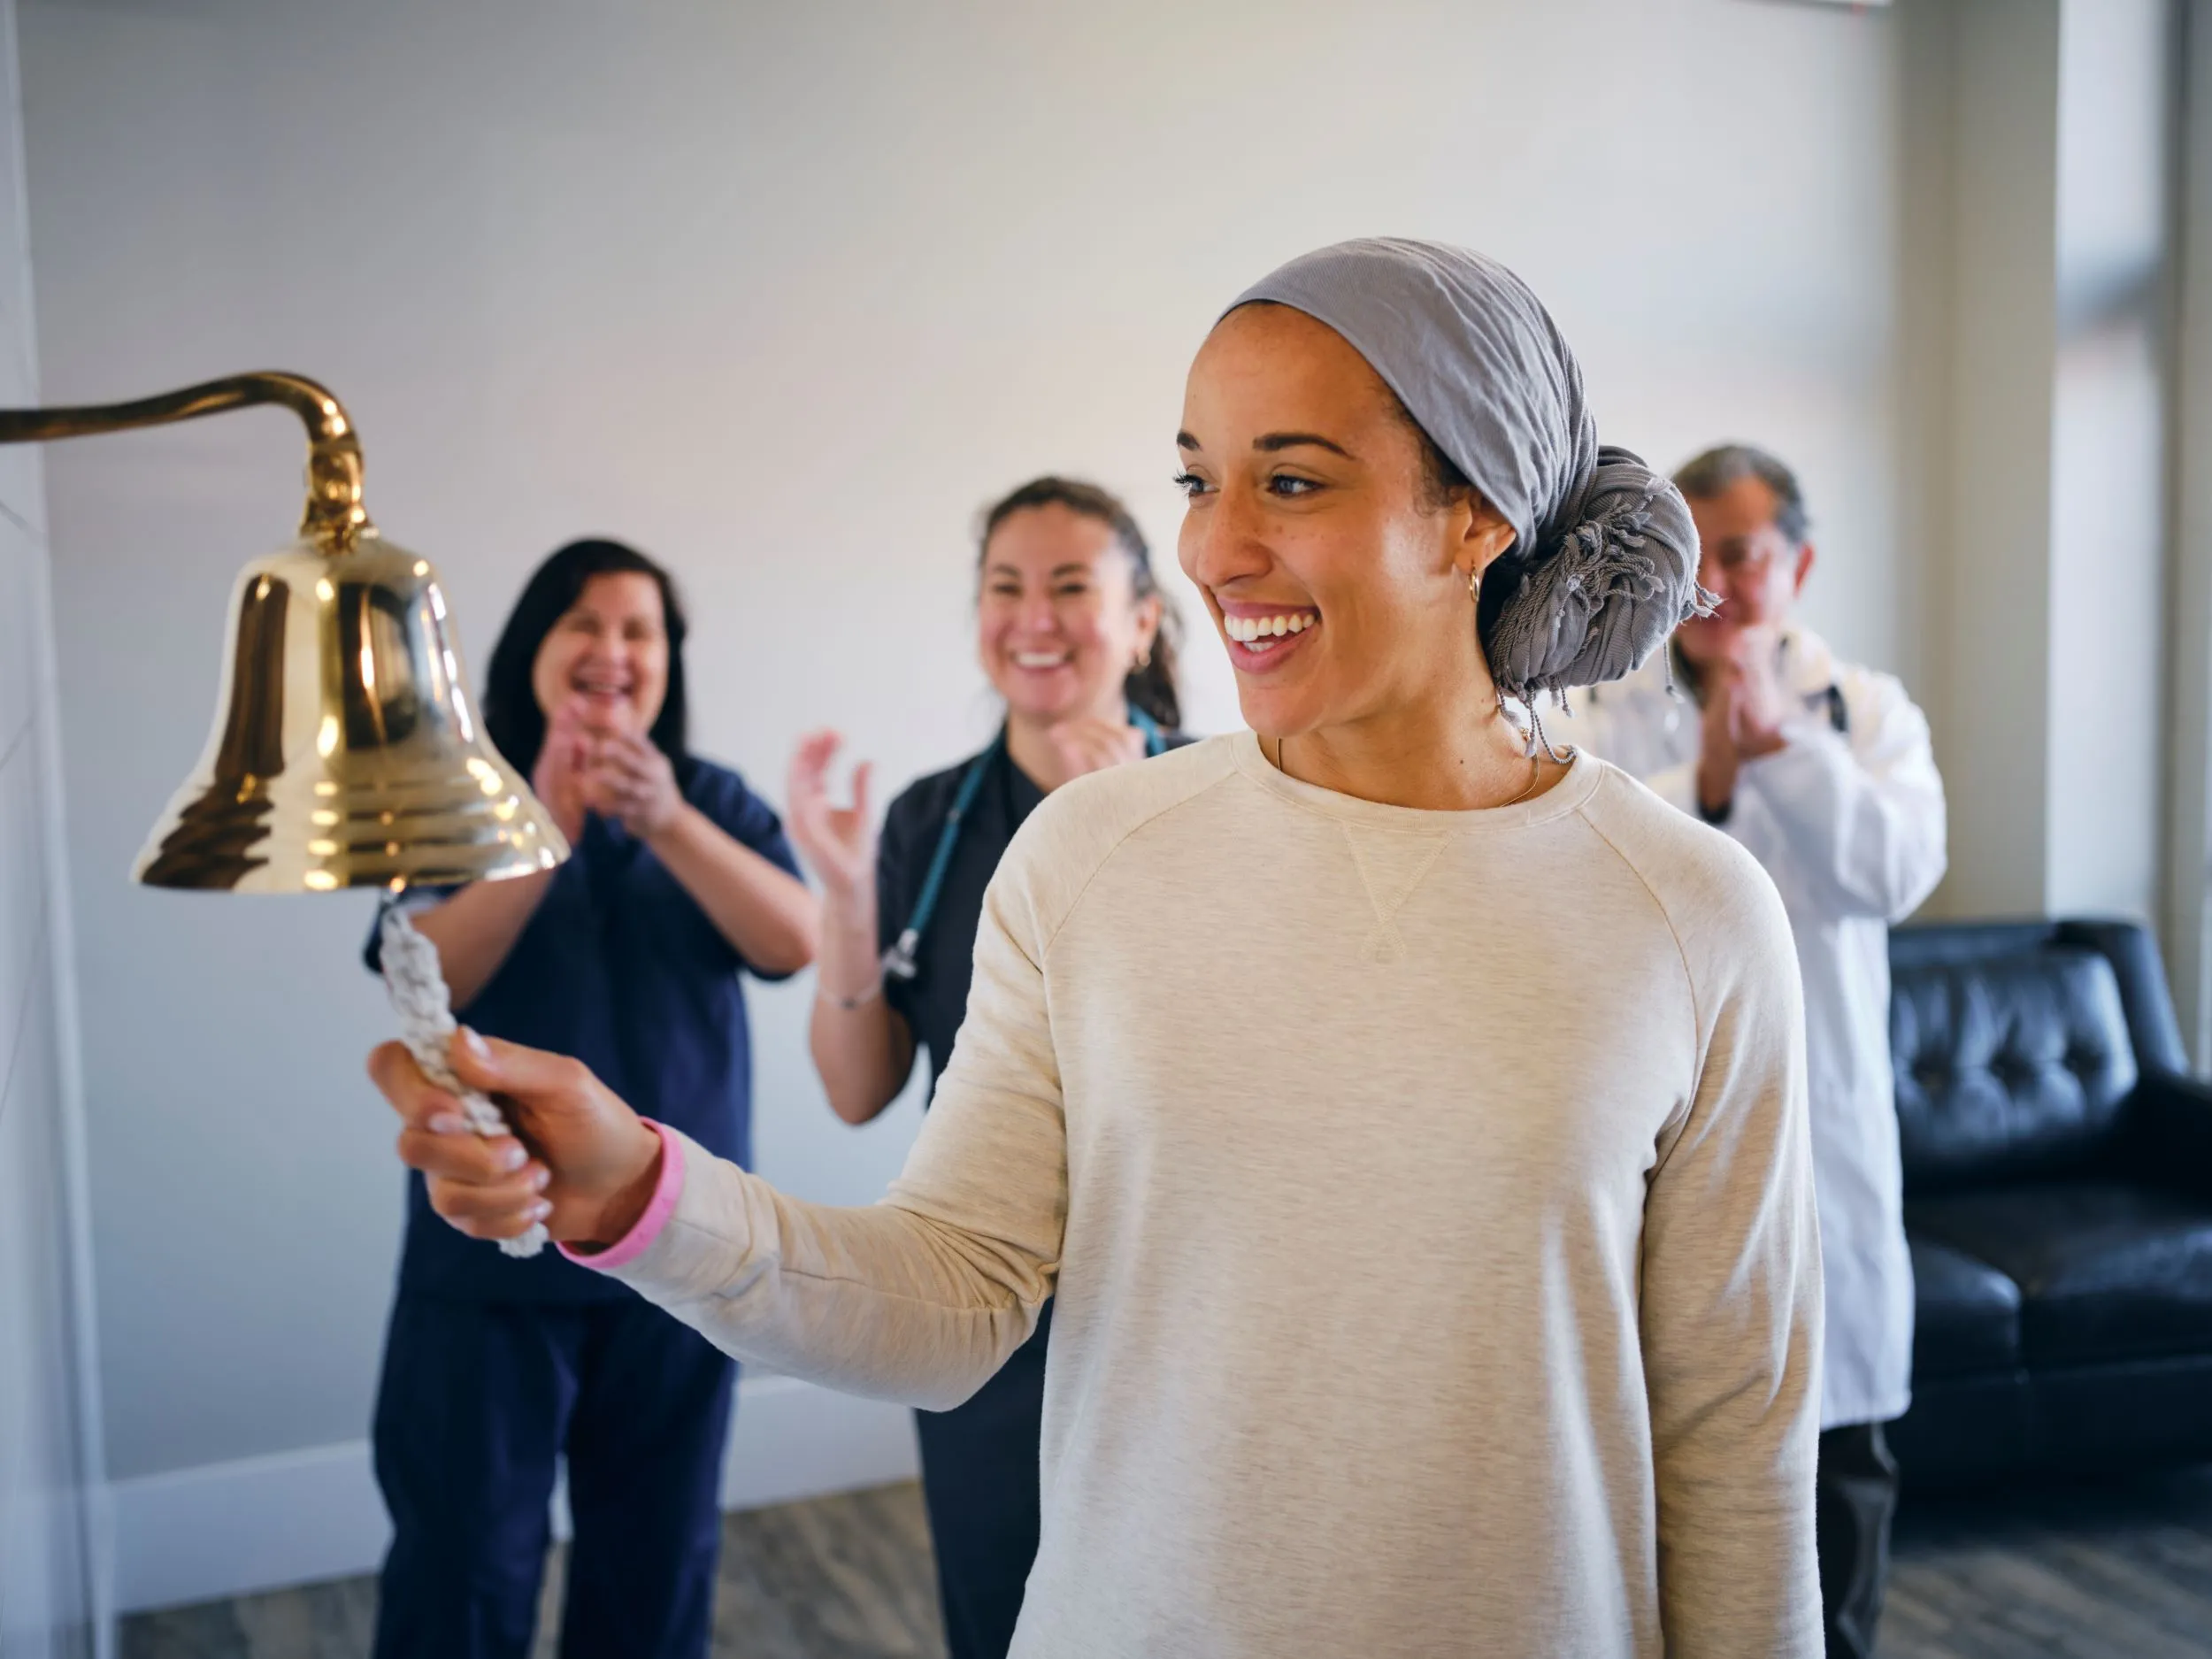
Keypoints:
pixel 346 752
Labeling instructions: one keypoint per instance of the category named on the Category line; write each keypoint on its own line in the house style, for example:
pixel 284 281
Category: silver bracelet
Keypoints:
pixel 849 1004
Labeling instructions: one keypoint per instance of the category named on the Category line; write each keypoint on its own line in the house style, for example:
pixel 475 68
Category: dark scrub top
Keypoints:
pixel 980 1459
pixel 936 1000
pixel 620 968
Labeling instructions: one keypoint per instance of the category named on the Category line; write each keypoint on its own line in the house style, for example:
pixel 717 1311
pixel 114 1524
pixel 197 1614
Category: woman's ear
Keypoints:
pixel 1485 536
pixel 1148 614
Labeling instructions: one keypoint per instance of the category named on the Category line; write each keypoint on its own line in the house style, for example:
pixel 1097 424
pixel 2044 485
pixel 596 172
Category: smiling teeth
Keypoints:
pixel 1247 630
pixel 1039 659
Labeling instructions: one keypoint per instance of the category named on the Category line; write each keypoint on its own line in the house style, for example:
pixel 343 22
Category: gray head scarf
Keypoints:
pixel 1605 561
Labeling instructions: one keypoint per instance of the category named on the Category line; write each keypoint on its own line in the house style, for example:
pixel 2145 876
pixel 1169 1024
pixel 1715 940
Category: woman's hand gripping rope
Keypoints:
pixel 595 1163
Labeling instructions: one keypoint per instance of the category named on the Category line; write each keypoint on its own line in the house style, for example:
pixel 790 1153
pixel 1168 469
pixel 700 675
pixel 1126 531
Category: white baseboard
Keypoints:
pixel 258 1523
pixel 295 1518
pixel 794 1440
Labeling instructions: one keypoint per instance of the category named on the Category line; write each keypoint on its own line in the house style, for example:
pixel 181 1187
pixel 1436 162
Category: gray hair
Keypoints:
pixel 1603 564
pixel 1705 476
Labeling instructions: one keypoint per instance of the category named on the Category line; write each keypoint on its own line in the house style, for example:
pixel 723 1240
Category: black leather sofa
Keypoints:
pixel 2058 1197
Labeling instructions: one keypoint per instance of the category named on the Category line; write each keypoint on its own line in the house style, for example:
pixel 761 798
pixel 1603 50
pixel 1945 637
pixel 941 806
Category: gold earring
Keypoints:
pixel 1474 585
pixel 1144 660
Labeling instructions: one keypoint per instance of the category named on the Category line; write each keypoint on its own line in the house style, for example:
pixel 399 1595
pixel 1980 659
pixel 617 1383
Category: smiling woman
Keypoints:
pixel 1076 637
pixel 1408 1127
pixel 1309 535
pixel 628 958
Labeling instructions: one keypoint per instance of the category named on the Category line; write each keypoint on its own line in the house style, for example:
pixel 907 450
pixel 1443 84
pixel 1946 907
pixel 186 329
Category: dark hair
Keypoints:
pixel 1707 475
pixel 1151 688
pixel 512 715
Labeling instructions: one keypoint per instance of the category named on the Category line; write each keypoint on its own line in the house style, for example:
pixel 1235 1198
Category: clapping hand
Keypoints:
pixel 837 842
pixel 635 784
pixel 626 778
pixel 1744 710
pixel 562 778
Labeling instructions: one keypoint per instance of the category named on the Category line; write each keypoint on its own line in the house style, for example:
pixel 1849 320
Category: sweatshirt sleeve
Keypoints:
pixel 921 1297
pixel 1731 1301
pixel 1861 818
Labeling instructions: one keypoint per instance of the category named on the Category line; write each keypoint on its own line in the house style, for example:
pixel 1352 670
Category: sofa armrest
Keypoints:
pixel 2171 1130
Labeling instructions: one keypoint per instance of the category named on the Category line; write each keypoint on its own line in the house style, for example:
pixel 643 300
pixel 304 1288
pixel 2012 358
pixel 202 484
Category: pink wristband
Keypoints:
pixel 666 1190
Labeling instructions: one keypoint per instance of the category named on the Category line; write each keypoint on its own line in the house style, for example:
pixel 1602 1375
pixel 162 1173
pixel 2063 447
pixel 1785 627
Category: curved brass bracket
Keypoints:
pixel 335 514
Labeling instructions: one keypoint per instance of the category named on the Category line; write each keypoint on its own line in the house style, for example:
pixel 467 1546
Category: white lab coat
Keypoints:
pixel 1849 822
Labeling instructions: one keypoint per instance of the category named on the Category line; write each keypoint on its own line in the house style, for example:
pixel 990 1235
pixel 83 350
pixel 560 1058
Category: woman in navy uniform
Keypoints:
pixel 628 957
pixel 1074 634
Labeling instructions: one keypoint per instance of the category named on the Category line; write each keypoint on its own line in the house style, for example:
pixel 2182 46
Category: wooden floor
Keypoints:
pixel 2110 1571
pixel 849 1577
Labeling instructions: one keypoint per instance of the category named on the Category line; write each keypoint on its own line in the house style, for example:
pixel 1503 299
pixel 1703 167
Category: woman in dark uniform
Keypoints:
pixel 1074 634
pixel 628 957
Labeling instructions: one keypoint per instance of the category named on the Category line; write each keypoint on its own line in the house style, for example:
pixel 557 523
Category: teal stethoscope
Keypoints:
pixel 898 962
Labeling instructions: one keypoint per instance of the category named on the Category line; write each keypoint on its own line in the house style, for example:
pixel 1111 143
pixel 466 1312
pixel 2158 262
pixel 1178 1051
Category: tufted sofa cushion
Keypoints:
pixel 2058 1177
pixel 1968 1318
pixel 2008 1066
pixel 2105 1270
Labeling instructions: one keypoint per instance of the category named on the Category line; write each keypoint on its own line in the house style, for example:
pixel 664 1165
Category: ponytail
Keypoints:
pixel 1152 687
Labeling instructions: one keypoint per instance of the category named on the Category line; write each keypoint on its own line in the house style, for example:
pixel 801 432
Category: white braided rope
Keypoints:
pixel 427 1026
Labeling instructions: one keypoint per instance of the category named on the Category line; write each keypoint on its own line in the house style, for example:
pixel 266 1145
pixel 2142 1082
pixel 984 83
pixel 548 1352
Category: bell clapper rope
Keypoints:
pixel 418 987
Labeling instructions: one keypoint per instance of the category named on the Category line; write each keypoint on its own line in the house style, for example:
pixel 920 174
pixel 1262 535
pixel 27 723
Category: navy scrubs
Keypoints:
pixel 493 1367
pixel 979 1477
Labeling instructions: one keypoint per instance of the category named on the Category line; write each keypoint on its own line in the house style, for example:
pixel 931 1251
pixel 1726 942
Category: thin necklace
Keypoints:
pixel 1535 777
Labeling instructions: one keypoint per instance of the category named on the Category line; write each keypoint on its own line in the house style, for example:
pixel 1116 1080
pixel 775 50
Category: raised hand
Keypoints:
pixel 634 782
pixel 1760 708
pixel 597 1161
pixel 1743 713
pixel 1718 759
pixel 562 778
pixel 1087 745
pixel 837 842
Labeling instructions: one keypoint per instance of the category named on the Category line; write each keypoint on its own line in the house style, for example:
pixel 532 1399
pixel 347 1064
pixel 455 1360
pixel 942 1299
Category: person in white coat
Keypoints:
pixel 1824 771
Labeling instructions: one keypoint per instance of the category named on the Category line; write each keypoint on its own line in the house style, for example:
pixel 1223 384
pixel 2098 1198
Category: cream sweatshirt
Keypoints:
pixel 1428 1201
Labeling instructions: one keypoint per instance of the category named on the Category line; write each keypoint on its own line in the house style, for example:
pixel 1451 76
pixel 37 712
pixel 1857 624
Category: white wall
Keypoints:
pixel 784 294
pixel 48 1454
